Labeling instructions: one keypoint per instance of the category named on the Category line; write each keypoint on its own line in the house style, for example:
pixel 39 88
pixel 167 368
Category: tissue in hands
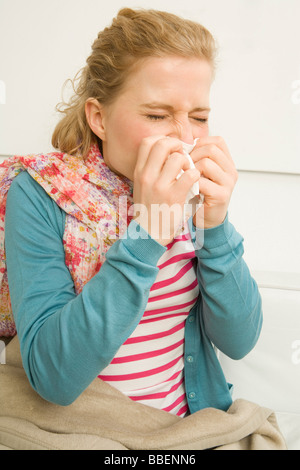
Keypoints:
pixel 194 191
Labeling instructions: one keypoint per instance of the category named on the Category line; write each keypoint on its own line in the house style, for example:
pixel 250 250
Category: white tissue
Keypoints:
pixel 194 191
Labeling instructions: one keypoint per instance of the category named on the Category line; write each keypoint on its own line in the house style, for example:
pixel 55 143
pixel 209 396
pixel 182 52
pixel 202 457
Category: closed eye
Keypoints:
pixel 155 117
pixel 160 117
pixel 203 120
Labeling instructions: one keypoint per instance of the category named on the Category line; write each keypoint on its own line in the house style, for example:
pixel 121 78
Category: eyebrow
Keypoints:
pixel 157 105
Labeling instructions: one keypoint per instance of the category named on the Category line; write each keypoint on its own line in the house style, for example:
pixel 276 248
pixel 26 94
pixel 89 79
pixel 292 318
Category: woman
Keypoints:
pixel 140 312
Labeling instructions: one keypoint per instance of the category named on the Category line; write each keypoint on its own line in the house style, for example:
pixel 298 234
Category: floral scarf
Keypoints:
pixel 97 204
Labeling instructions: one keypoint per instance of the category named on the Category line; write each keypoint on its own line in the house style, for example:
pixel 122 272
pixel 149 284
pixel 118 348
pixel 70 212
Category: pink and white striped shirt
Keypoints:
pixel 148 367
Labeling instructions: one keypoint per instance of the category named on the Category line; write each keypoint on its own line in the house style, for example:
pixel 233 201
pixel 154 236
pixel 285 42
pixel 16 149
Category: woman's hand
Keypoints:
pixel 218 178
pixel 158 195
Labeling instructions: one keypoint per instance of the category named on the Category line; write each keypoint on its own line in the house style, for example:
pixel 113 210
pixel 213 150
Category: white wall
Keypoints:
pixel 255 98
pixel 265 210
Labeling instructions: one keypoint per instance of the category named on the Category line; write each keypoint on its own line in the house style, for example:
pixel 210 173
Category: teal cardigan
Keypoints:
pixel 67 339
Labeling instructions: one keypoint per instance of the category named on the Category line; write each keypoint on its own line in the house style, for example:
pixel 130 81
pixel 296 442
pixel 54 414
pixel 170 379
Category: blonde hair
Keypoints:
pixel 133 35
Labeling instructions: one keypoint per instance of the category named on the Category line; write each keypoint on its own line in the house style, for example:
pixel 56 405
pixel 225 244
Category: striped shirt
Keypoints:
pixel 148 367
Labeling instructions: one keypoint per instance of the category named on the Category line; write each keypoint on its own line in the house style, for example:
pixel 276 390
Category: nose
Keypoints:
pixel 182 130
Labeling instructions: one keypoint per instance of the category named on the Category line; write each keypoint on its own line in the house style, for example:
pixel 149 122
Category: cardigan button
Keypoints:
pixel 190 359
pixel 192 395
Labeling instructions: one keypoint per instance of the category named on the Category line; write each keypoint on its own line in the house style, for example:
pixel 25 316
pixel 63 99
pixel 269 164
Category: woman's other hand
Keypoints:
pixel 218 178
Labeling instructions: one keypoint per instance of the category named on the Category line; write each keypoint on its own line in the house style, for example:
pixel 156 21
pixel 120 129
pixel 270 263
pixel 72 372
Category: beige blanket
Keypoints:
pixel 103 418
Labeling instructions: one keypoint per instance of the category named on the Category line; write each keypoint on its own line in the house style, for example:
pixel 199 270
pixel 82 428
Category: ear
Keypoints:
pixel 95 117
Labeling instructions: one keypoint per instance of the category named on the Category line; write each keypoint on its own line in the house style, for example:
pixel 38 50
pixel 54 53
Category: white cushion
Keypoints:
pixel 289 424
pixel 270 374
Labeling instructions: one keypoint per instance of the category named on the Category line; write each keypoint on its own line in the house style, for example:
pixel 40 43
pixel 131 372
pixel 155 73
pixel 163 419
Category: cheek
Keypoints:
pixel 136 132
pixel 202 131
pixel 206 132
pixel 129 133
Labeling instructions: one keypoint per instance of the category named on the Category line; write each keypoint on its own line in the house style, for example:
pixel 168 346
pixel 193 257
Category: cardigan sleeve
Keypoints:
pixel 67 339
pixel 231 306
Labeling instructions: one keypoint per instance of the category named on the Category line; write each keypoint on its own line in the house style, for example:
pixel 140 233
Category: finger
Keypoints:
pixel 144 150
pixel 173 166
pixel 210 190
pixel 211 170
pixel 217 141
pixel 154 153
pixel 215 154
pixel 185 182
